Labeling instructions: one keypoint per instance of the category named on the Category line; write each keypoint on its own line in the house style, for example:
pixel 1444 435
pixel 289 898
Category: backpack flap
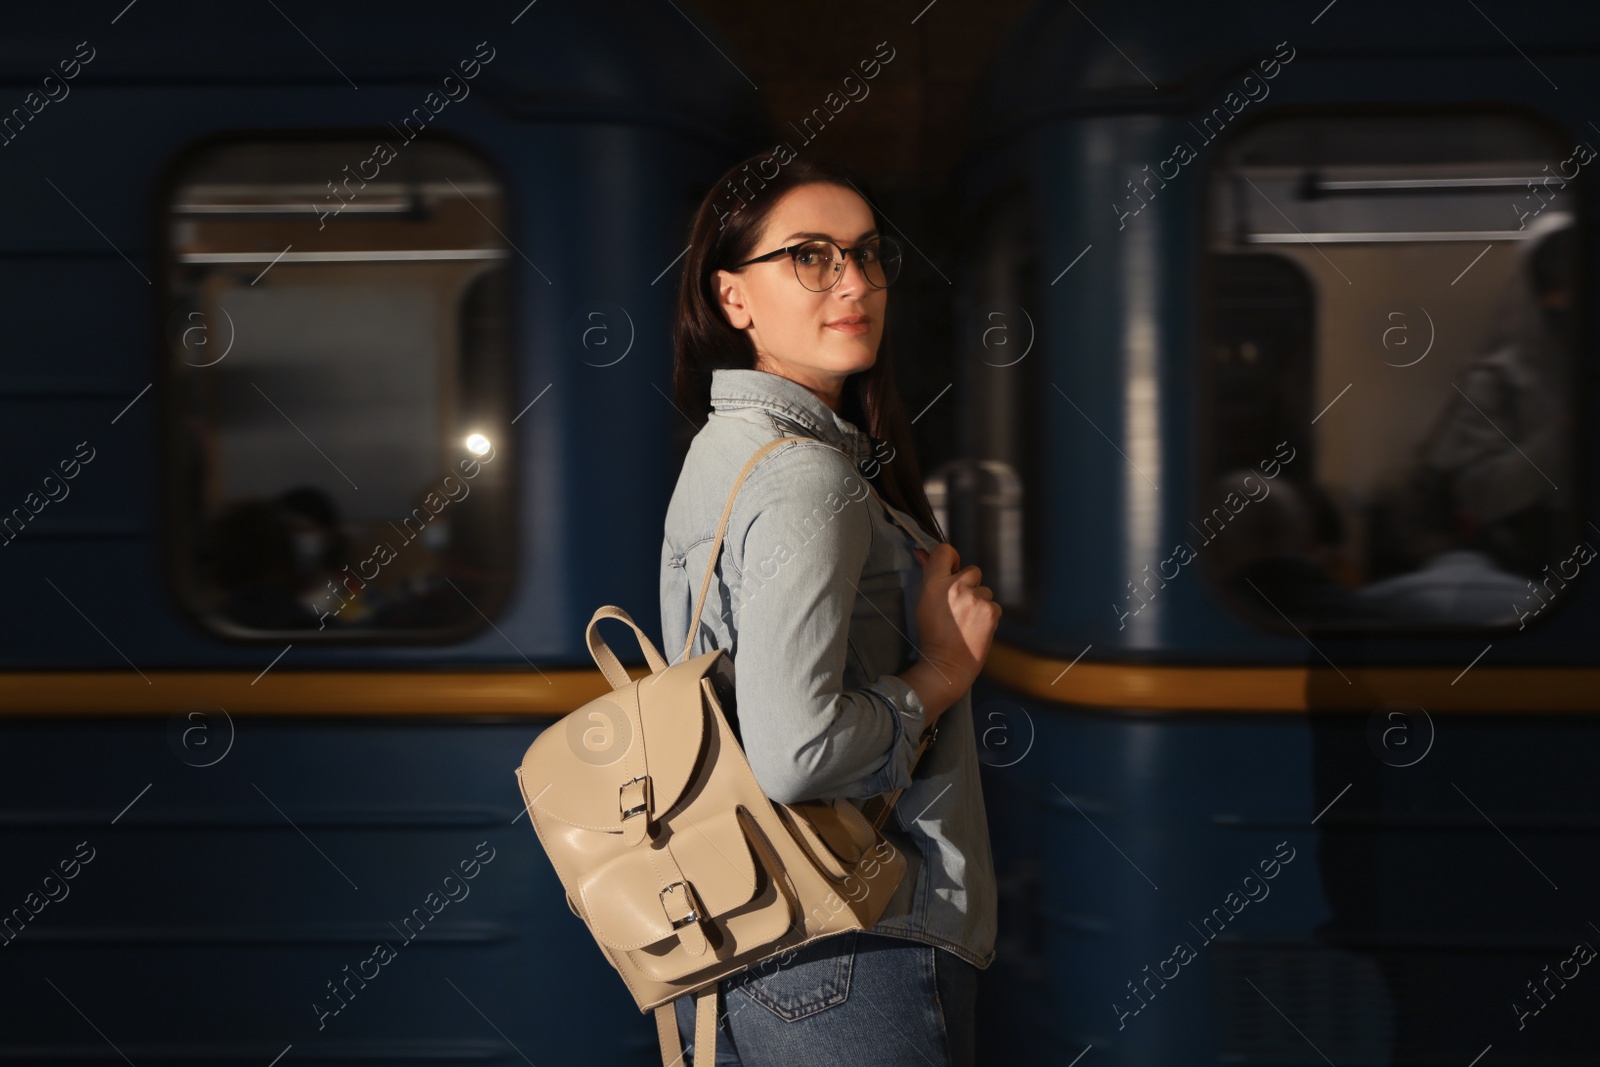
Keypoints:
pixel 622 759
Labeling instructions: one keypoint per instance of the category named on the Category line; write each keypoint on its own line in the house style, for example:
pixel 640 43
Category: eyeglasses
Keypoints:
pixel 819 264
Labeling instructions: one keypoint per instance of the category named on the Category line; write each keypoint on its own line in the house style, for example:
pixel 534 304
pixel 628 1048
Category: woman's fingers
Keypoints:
pixel 945 553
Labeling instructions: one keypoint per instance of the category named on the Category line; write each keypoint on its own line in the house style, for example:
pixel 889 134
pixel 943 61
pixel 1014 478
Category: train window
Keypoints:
pixel 1389 372
pixel 337 369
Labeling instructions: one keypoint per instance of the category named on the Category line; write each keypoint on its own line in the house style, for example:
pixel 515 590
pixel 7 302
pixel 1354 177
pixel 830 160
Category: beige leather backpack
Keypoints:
pixel 682 869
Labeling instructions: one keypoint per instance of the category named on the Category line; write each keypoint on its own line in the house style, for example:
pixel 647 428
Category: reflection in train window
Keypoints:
pixel 337 365
pixel 1389 365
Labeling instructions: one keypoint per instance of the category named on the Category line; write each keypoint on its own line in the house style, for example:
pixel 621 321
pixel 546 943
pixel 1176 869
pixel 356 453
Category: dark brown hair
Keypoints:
pixel 729 221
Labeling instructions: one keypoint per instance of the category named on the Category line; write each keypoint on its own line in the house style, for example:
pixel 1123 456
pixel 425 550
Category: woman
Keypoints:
pixel 851 629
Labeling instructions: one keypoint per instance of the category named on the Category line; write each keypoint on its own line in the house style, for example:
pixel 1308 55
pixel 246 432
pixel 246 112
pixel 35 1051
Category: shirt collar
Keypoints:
pixel 787 402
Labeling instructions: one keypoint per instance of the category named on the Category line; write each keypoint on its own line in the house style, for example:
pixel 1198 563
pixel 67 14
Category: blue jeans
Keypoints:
pixel 856 999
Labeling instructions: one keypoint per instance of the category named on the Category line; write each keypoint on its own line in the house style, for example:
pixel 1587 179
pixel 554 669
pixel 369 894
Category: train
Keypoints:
pixel 1291 709
pixel 1269 388
pixel 368 292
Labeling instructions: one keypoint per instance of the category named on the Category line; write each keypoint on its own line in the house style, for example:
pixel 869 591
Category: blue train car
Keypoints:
pixel 1275 380
pixel 331 335
pixel 332 342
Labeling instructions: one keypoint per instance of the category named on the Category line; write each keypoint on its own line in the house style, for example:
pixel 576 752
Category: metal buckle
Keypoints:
pixel 628 813
pixel 694 914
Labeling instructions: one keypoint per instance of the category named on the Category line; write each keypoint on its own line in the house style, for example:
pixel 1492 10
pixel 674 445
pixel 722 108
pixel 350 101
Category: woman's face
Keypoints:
pixel 799 333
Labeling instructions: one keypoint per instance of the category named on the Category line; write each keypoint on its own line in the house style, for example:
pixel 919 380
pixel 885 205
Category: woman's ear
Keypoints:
pixel 731 299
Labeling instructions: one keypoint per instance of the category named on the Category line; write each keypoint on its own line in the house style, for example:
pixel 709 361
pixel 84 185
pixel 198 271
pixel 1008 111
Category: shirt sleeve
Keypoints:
pixel 1469 437
pixel 1497 476
pixel 801 530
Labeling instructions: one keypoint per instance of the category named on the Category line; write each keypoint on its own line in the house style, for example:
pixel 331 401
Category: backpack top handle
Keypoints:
pixel 606 659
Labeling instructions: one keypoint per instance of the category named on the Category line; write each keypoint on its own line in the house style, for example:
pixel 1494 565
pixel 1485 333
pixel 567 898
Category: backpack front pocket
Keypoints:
pixel 709 875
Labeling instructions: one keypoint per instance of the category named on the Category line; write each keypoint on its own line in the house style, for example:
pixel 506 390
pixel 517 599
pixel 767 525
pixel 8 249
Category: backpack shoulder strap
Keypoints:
pixel 878 808
pixel 722 528
pixel 727 512
pixel 705 1029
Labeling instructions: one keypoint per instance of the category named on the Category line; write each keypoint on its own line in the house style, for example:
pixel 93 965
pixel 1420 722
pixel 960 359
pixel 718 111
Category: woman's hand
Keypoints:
pixel 956 621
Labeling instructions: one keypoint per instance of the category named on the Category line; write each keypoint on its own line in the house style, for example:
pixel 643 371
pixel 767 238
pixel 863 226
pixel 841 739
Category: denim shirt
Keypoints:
pixel 814 597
